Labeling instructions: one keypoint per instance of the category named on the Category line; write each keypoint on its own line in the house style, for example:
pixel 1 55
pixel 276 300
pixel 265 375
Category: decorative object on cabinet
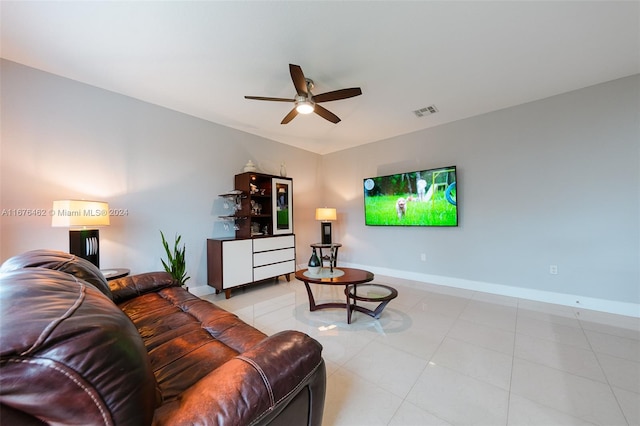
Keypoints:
pixel 176 263
pixel 325 215
pixel 85 216
pixel 249 167
pixel 266 201
pixel 282 206
pixel 233 263
pixel 233 203
pixel 233 199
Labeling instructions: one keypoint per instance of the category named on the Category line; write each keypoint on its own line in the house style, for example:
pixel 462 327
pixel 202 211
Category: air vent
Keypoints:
pixel 431 109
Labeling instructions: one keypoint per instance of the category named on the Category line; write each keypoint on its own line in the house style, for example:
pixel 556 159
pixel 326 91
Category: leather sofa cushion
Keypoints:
pixel 132 286
pixel 59 261
pixel 64 350
pixel 186 337
pixel 254 387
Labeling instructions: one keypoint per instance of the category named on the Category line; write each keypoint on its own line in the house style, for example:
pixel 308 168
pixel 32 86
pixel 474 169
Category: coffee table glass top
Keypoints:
pixel 349 276
pixel 369 293
pixel 373 292
pixel 324 273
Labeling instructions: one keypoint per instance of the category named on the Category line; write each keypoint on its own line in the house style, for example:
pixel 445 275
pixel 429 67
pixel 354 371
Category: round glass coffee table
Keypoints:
pixel 357 288
pixel 369 293
pixel 343 276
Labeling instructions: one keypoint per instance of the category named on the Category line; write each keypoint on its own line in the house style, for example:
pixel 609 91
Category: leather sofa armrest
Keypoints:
pixel 134 285
pixel 254 385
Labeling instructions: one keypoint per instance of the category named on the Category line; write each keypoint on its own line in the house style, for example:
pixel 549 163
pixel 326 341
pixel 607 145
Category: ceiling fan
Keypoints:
pixel 305 101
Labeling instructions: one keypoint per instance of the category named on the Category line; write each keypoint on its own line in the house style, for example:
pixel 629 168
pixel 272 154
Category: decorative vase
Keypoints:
pixel 283 170
pixel 249 167
pixel 314 263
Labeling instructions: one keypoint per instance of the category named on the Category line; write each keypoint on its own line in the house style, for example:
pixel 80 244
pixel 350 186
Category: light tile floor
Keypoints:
pixel 445 356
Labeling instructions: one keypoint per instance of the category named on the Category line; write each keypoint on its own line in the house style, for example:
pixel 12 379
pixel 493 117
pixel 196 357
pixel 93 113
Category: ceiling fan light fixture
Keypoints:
pixel 304 105
pixel 305 101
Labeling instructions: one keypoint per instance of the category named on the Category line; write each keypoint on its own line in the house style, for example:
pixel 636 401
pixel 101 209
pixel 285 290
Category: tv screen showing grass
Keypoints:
pixel 420 198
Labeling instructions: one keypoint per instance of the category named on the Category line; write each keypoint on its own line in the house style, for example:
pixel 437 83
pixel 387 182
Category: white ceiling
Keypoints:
pixel 201 58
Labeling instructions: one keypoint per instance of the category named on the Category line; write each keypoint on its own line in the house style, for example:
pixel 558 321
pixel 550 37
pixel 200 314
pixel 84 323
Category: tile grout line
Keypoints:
pixel 468 300
pixel 606 377
pixel 513 358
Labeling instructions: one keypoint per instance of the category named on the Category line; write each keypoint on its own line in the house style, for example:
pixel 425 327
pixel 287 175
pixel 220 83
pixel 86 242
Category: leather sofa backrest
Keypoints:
pixel 59 261
pixel 68 352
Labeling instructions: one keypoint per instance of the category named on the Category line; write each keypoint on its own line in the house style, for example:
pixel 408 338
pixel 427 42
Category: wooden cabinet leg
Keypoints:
pixel 227 293
pixel 288 276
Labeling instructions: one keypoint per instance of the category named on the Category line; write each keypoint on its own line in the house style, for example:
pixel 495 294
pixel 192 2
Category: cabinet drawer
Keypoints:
pixel 273 243
pixel 274 256
pixel 268 271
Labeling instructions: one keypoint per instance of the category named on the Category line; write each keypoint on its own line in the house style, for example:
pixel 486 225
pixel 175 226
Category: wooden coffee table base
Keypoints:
pixel 369 293
pixel 312 301
pixel 348 278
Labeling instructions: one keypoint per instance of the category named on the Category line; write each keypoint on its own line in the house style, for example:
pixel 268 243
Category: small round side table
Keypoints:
pixel 332 257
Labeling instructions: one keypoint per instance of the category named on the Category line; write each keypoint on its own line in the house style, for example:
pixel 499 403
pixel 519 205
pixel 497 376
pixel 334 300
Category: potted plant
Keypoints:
pixel 176 264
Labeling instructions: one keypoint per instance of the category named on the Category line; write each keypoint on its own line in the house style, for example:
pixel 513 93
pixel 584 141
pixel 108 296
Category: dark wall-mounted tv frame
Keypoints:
pixel 420 198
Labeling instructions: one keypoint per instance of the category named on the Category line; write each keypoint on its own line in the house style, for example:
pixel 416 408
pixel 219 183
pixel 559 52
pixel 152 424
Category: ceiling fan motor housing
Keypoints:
pixel 310 85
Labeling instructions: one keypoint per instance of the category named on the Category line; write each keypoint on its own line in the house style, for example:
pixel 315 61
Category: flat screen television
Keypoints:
pixel 420 198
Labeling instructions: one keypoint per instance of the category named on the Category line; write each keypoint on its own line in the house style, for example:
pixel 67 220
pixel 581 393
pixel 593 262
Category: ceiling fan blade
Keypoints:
pixel 292 114
pixel 298 79
pixel 326 114
pixel 262 98
pixel 336 95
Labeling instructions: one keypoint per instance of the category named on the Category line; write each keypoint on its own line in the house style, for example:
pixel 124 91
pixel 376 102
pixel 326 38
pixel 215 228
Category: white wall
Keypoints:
pixel 62 139
pixel 555 181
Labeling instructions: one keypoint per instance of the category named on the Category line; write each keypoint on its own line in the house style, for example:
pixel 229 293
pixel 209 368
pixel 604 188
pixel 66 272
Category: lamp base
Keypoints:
pixel 85 243
pixel 325 231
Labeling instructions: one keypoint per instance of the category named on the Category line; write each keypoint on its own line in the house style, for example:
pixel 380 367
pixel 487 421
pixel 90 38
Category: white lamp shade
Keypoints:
pixel 79 213
pixel 326 214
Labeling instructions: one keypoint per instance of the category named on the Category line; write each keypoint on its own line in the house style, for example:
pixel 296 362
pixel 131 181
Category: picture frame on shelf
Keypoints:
pixel 282 206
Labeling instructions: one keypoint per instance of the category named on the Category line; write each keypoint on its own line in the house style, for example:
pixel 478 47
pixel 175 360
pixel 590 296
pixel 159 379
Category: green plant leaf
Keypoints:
pixel 176 259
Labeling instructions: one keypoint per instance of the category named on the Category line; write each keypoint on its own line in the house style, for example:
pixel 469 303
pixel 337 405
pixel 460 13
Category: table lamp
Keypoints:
pixel 325 215
pixel 82 217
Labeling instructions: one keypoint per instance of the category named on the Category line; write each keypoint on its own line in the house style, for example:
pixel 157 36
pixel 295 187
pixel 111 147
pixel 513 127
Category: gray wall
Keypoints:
pixel 62 139
pixel 550 182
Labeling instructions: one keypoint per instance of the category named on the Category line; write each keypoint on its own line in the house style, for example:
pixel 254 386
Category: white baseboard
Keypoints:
pixel 581 302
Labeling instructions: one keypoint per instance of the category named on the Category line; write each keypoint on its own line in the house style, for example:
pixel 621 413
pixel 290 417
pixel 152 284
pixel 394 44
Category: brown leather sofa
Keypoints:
pixel 140 350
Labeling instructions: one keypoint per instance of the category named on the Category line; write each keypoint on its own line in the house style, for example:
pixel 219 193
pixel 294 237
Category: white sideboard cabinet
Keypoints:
pixel 233 262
